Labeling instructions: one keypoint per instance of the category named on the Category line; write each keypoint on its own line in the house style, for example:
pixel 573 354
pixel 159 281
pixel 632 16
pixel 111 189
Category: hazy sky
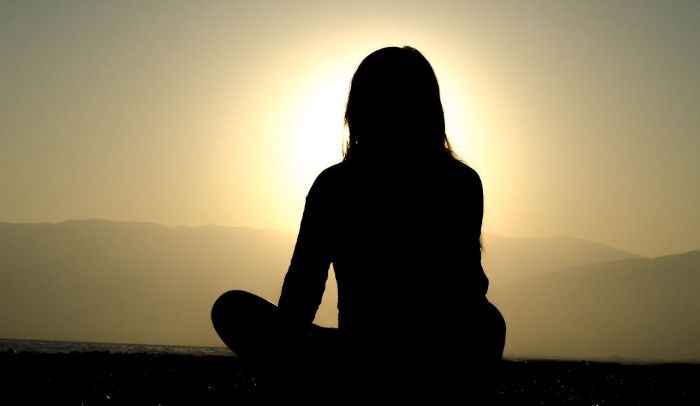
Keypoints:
pixel 583 118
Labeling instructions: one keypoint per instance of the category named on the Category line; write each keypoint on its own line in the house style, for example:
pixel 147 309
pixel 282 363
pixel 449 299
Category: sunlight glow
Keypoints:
pixel 315 127
pixel 458 120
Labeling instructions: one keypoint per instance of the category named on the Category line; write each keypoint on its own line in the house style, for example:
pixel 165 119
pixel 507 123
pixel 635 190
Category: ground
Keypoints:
pixel 106 378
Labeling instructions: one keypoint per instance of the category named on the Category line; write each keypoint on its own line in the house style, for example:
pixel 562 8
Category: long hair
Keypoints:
pixel 394 107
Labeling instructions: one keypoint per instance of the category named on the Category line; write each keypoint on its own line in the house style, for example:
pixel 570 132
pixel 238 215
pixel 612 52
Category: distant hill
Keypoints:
pixel 634 309
pixel 95 280
pixel 508 259
pixel 129 282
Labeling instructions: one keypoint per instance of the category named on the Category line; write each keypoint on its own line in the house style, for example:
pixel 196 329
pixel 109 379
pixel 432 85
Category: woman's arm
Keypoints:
pixel 475 248
pixel 306 278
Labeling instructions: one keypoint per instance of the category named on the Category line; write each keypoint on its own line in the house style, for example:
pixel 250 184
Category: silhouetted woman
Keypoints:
pixel 400 220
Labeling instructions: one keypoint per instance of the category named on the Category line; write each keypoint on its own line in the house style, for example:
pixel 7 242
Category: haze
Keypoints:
pixel 101 281
pixel 582 118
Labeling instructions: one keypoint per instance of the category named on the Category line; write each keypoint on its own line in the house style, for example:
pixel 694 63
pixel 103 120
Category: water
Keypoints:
pixel 44 346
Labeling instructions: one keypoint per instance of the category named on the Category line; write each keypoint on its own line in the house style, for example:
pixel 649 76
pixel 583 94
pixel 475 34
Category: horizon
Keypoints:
pixel 122 282
pixel 616 360
pixel 288 232
pixel 292 233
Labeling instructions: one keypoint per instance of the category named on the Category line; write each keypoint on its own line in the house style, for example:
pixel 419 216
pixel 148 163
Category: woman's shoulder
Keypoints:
pixel 329 179
pixel 464 172
pixel 332 174
pixel 340 173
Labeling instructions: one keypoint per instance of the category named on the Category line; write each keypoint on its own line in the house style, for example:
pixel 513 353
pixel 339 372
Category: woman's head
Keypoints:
pixel 394 107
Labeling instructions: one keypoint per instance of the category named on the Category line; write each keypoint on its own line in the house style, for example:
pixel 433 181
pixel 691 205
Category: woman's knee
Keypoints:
pixel 497 318
pixel 241 308
pixel 226 304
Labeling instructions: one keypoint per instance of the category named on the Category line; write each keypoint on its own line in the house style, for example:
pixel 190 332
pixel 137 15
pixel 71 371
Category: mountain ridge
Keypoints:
pixel 634 309
pixel 106 281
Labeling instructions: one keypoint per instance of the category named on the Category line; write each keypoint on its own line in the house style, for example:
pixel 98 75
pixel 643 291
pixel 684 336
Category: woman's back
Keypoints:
pixel 404 243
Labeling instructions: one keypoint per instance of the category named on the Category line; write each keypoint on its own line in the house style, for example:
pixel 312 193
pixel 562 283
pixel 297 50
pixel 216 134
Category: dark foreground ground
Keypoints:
pixel 106 378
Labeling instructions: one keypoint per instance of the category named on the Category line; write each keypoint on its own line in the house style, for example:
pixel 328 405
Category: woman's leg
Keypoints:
pixel 488 348
pixel 466 362
pixel 246 323
pixel 285 356
pixel 494 339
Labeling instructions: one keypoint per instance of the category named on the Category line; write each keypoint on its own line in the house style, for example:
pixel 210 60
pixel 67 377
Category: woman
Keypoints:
pixel 400 221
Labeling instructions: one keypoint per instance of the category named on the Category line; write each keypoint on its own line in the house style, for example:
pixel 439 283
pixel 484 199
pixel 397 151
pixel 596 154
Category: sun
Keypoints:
pixel 315 127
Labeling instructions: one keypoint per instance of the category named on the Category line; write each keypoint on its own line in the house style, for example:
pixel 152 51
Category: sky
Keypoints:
pixel 582 118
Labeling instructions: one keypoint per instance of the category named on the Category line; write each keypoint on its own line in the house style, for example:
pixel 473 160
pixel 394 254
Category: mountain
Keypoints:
pixel 508 259
pixel 96 280
pixel 633 309
pixel 129 282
